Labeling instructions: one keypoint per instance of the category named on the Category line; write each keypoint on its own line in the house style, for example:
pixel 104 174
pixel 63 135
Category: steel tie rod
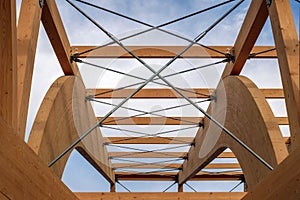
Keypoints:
pixel 169 75
pixel 155 27
pixel 140 78
pixel 181 94
pixel 157 74
pixel 126 99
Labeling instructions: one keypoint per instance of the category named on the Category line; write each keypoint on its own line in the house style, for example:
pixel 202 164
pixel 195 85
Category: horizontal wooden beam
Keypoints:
pixel 124 154
pixel 165 121
pixel 166 52
pixel 160 195
pixel 149 140
pixel 159 93
pixel 152 120
pixel 172 176
pixel 157 140
pixel 175 165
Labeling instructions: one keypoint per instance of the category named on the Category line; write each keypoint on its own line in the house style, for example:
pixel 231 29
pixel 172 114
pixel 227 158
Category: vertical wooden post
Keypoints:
pixel 27 34
pixel 287 46
pixel 8 64
pixel 112 187
pixel 180 187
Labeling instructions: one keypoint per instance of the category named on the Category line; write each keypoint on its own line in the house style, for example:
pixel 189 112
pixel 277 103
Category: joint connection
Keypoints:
pixel 230 55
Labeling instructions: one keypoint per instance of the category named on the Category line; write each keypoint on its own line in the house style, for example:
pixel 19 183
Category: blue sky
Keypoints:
pixel 79 176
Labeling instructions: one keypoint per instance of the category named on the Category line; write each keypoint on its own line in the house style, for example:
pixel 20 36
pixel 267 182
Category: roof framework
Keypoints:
pixel 66 118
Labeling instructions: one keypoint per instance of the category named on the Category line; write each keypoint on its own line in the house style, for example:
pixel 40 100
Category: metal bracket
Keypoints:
pixel 42 3
pixel 268 2
pixel 230 55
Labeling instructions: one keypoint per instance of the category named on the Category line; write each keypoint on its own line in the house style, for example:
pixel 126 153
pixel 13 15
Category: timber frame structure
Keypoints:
pixel 271 172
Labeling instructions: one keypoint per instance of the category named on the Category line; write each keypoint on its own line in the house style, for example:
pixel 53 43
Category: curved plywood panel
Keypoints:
pixel 241 108
pixel 63 116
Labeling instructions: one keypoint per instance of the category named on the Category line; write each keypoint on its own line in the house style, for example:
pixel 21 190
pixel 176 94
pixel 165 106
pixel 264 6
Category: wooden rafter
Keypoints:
pixel 157 155
pixel 161 196
pixel 165 121
pixel 158 140
pixel 157 93
pixel 166 52
pixel 8 64
pixel 175 166
pixel 58 37
pixel 171 176
pixel 287 46
pixel 28 30
pixel 253 23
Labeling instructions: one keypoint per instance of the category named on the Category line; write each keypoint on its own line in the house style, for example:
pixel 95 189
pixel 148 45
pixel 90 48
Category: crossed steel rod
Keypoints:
pixel 155 27
pixel 166 76
pixel 148 113
pixel 157 73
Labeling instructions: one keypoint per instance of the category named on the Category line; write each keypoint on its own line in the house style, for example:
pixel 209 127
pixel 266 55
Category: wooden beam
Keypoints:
pixel 165 52
pixel 158 155
pixel 281 183
pixel 161 196
pixel 159 140
pixel 23 174
pixel 270 93
pixel 175 166
pixel 165 121
pixel 149 93
pixel 8 64
pixel 253 23
pixel 149 140
pixel 258 129
pixel 147 155
pixel 57 35
pixel 287 46
pixel 152 121
pixel 172 176
pixel 27 34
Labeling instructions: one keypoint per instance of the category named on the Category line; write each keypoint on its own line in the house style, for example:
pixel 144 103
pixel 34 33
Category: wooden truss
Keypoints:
pixel 23 167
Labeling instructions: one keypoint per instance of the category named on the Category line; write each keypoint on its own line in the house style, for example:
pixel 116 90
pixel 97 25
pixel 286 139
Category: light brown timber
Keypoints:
pixel 57 35
pixel 252 25
pixel 27 35
pixel 159 155
pixel 8 64
pixel 287 47
pixel 161 195
pixel 282 183
pixel 174 165
pixel 159 140
pixel 23 174
pixel 165 51
pixel 165 121
pixel 63 116
pixel 269 93
pixel 171 176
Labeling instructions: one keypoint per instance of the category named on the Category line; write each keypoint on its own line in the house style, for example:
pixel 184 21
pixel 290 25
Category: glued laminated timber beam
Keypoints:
pixel 165 121
pixel 166 52
pixel 159 93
